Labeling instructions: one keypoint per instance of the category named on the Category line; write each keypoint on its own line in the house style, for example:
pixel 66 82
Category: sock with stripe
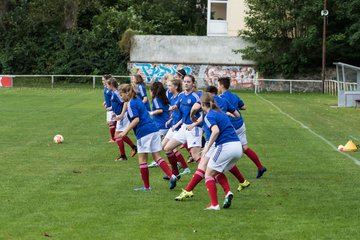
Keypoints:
pixel 197 177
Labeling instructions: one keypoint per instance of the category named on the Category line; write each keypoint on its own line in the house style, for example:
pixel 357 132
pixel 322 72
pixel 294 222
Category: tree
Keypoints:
pixel 287 35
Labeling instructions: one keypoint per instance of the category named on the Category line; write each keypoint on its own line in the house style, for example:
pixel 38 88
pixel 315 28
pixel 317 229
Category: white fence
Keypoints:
pixel 258 85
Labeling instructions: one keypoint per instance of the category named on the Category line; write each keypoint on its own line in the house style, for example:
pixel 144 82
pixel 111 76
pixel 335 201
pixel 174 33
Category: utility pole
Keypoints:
pixel 324 13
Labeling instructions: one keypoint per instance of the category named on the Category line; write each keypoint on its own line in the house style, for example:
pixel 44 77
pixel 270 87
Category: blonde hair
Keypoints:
pixel 208 99
pixel 126 88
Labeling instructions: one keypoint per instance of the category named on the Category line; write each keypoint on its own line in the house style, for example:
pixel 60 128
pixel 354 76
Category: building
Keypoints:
pixel 225 17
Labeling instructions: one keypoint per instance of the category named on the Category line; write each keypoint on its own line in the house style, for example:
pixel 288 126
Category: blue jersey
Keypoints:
pixel 136 108
pixel 117 103
pixel 226 130
pixel 141 94
pixel 176 115
pixel 226 106
pixel 233 99
pixel 185 103
pixel 107 97
pixel 160 119
pixel 168 94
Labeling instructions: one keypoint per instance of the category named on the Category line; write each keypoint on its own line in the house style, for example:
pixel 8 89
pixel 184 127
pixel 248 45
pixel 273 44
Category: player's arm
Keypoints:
pixel 214 134
pixel 122 114
pixel 195 109
pixel 156 112
pixel 133 124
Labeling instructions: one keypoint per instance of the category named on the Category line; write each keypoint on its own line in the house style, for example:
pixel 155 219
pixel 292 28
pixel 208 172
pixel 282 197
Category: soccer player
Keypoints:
pixel 190 132
pixel 227 151
pixel 147 134
pixel 119 108
pixel 223 86
pixel 160 107
pixel 138 81
pixel 174 87
pixel 110 119
pixel 232 113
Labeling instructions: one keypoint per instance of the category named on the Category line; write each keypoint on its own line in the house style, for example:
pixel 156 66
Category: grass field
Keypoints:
pixel 77 191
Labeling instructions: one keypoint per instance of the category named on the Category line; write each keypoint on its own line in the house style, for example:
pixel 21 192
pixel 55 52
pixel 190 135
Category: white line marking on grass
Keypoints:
pixel 355 160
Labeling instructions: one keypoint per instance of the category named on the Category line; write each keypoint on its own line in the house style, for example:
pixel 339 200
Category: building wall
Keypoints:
pixel 236 16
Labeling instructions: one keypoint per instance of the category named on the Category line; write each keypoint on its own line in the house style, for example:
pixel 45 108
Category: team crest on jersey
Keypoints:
pixel 189 100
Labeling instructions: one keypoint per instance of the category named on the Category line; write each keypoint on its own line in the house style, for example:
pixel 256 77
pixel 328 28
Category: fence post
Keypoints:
pixel 290 87
pixel 93 81
pixel 52 81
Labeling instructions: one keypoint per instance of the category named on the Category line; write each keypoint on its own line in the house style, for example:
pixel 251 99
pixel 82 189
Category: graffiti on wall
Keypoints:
pixel 206 75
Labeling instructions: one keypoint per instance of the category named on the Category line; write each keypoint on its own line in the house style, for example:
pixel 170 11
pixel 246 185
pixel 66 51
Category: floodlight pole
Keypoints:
pixel 324 13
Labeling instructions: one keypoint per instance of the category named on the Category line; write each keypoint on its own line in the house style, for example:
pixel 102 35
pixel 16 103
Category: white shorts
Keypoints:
pixel 122 124
pixel 110 117
pixel 225 156
pixel 163 133
pixel 150 143
pixel 241 132
pixel 192 138
pixel 170 134
pixel 211 150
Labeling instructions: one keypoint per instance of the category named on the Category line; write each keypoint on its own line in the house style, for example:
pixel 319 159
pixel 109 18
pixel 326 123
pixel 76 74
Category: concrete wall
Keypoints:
pixel 187 49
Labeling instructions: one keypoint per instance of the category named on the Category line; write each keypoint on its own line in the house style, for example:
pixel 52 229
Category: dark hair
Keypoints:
pixel 178 84
pixel 182 73
pixel 225 81
pixel 158 91
pixel 112 81
pixel 107 76
pixel 212 89
pixel 191 77
pixel 138 79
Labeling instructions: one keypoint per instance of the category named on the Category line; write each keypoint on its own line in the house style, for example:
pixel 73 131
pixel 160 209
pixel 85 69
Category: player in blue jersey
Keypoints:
pixel 175 88
pixel 227 150
pixel 223 85
pixel 160 107
pixel 232 113
pixel 139 83
pixel 190 132
pixel 119 108
pixel 147 135
pixel 110 119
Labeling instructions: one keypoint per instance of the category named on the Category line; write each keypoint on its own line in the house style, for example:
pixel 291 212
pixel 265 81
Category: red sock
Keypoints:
pixel 235 171
pixel 120 144
pixel 128 141
pixel 112 129
pixel 172 160
pixel 211 188
pixel 222 180
pixel 144 171
pixel 164 167
pixel 180 159
pixel 197 177
pixel 252 155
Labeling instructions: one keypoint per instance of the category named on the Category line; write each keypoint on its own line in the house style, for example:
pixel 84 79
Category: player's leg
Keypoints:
pixel 144 172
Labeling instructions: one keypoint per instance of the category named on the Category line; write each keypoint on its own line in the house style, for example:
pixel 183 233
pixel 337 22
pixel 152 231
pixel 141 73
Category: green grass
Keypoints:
pixel 77 191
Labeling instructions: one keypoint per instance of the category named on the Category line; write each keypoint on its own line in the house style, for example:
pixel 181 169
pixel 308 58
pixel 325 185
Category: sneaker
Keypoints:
pixel 190 160
pixel 153 164
pixel 111 141
pixel 261 172
pixel 121 158
pixel 133 151
pixel 172 181
pixel 184 195
pixel 167 177
pixel 243 185
pixel 227 202
pixel 142 189
pixel 186 171
pixel 211 207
